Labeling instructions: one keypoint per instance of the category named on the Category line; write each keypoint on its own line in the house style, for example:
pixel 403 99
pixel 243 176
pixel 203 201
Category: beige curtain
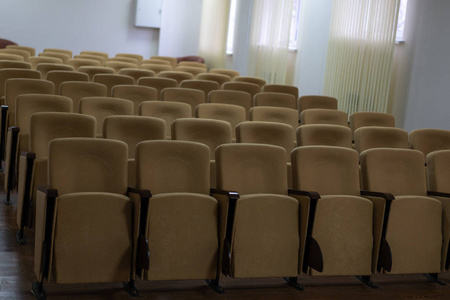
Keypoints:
pixel 269 39
pixel 213 32
pixel 360 51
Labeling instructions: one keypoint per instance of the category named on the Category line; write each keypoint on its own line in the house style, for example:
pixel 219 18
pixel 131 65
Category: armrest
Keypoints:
pixel 381 246
pixel 438 194
pixel 24 188
pixel 227 208
pixel 313 257
pixel 143 252
pixel 50 195
pixel 10 163
pixel 4 113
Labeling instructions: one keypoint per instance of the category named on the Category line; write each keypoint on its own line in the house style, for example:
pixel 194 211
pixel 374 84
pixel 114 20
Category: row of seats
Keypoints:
pixel 172 226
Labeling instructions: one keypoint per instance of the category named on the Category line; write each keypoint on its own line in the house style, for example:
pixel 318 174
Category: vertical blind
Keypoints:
pixel 360 51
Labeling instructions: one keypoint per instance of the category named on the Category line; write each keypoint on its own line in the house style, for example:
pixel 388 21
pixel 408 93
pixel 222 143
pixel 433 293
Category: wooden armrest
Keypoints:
pixel 4 112
pixel 438 194
pixel 386 196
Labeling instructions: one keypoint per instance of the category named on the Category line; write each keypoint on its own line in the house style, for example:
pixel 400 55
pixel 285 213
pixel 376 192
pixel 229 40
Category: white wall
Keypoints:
pixel 180 27
pixel 99 25
pixel 425 71
pixel 314 29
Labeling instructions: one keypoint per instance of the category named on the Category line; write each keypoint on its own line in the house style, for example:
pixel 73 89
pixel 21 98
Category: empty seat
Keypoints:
pixel 17 139
pixel 76 63
pixel 44 68
pixel 210 132
pixel 63 56
pixel 158 83
pixel 98 53
pixel 35 60
pixel 219 78
pixel 281 88
pixel 380 137
pixel 102 107
pixel 155 61
pixel 256 80
pixel 230 73
pixel 172 60
pixel 98 58
pixel 240 98
pixel 133 130
pixel 192 70
pixel 58 77
pixel 88 213
pixel 275 99
pixel 135 93
pixel 76 90
pixel 438 166
pixel 136 73
pixel 274 114
pixel 168 111
pixel 25 54
pixel 428 140
pixel 94 70
pixel 156 68
pixel 44 127
pixel 408 225
pixel 118 65
pixel 248 87
pixel 324 116
pixel 324 134
pixel 68 52
pixel 316 101
pixel 334 245
pixel 137 57
pixel 177 75
pixel 261 238
pixel 192 64
pixel 361 119
pixel 204 85
pixel 30 50
pixel 110 80
pixel 9 56
pixel 233 114
pixel 6 74
pixel 124 59
pixel 192 97
pixel 14 64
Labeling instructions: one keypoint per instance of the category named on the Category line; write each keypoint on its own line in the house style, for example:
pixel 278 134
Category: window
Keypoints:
pixel 293 29
pixel 401 21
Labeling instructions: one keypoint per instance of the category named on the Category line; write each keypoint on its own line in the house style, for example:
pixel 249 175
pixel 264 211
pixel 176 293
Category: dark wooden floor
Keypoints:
pixel 16 276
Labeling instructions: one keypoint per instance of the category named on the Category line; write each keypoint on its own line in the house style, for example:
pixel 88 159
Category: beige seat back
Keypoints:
pixel 256 80
pixel 248 87
pixel 6 74
pixel 324 134
pixel 9 56
pixel 68 52
pixel 158 83
pixel 76 90
pixel 231 73
pixel 231 97
pixel 275 99
pixel 281 88
pixel 25 54
pixel 316 101
pixel 14 64
pixel 233 114
pixel 429 140
pixel 154 61
pixel 136 73
pixel 204 85
pixel 438 171
pixel 31 50
pixel 44 68
pixel 35 60
pixel 191 70
pixel 181 162
pixel 93 70
pixel 137 57
pixel 219 78
pixel 168 111
pixel 210 132
pixel 274 114
pixel 102 107
pixel 62 56
pixel 380 137
pixel 98 53
pixel 98 58
pixel 324 116
pixel 192 97
pixel 58 77
pixel 192 64
pixel 270 133
pixel 118 65
pixel 171 60
pixel 135 93
pixel 133 130
pixel 110 80
pixel 361 119
pixel 179 76
pixel 76 63
pixel 156 67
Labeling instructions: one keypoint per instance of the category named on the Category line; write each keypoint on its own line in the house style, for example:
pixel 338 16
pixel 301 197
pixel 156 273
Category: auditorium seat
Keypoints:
pixel 323 116
pixel 129 60
pixel 324 134
pixel 110 80
pixel 158 83
pixel 192 97
pixel 76 90
pixel 68 52
pixel 204 85
pixel 317 101
pixel 98 53
pixel 172 60
pixel 240 98
pixel 137 57
pixel 44 127
pixel 284 115
pixel 281 88
pixel 14 64
pixel 76 63
pixel 256 80
pixel 30 50
pixel 156 68
pixel 192 64
pixel 94 70
pixel 361 119
pixel 192 70
pixel 136 73
pixel 168 111
pixel 25 54
pixel 228 72
pixel 428 140
pixel 219 78
pixel 44 68
pixel 275 99
pixel 380 137
pixel 35 60
pixel 135 93
pixel 58 77
pixel 98 58
pixel 63 56
pixel 247 87
pixel 9 56
pixel 177 75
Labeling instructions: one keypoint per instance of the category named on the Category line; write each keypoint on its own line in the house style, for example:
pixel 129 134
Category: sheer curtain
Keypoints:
pixel 213 32
pixel 360 51
pixel 269 39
